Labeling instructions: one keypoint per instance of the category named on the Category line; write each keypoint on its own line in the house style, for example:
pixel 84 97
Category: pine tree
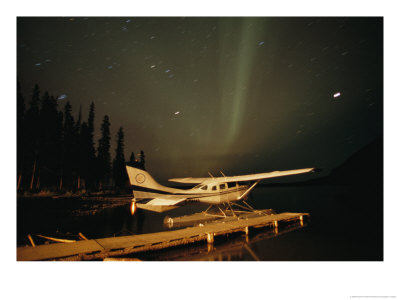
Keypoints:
pixel 119 170
pixel 31 135
pixel 20 135
pixel 69 146
pixel 77 167
pixel 91 154
pixel 83 158
pixel 103 153
pixel 50 135
pixel 132 161
pixel 60 149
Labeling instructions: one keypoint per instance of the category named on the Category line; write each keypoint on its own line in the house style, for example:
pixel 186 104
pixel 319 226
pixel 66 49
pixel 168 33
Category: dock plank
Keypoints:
pixel 53 251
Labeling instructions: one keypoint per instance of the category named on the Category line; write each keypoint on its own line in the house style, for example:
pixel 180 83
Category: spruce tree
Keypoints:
pixel 83 158
pixel 119 170
pixel 132 160
pixel 91 154
pixel 103 153
pixel 31 135
pixel 69 146
pixel 20 135
pixel 60 149
pixel 49 141
pixel 77 166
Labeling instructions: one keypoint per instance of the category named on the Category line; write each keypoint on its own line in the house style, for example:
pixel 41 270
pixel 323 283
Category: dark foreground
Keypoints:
pixel 346 224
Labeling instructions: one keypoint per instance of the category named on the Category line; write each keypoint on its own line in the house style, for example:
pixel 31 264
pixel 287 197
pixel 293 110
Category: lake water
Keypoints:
pixel 346 224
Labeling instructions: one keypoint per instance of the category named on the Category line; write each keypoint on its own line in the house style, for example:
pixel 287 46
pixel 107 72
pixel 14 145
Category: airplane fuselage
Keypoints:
pixel 210 194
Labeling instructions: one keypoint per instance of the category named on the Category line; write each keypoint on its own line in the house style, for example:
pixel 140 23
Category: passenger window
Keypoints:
pixel 214 188
pixel 222 186
pixel 204 187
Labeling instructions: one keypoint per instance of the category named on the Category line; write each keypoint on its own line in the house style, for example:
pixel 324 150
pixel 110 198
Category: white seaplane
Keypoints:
pixel 215 191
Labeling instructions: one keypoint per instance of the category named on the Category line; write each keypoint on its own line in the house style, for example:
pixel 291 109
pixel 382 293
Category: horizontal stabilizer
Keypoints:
pixel 159 205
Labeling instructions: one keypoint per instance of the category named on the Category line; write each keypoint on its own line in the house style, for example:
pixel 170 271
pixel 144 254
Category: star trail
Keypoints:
pixel 207 94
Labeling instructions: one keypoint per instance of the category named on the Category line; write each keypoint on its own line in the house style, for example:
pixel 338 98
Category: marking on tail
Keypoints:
pixel 140 178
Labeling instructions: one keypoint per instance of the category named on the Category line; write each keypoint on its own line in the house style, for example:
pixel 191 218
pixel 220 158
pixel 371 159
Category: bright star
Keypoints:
pixel 336 95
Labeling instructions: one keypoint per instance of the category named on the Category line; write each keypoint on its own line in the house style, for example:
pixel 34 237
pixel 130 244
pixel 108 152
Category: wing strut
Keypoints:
pixel 245 193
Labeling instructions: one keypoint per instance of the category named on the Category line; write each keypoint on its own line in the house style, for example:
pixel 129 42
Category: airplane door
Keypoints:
pixel 223 192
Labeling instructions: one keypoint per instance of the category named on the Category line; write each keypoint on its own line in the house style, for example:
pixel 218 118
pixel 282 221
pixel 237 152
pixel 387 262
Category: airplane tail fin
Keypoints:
pixel 141 178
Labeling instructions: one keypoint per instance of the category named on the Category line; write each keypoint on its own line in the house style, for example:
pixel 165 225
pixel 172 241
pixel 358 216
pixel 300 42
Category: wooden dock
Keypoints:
pixel 117 246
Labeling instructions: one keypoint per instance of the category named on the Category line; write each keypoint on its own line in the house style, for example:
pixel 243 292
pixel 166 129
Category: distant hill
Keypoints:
pixel 364 167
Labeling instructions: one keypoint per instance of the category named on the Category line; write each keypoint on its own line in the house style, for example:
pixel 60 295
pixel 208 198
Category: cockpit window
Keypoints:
pixel 231 184
pixel 204 187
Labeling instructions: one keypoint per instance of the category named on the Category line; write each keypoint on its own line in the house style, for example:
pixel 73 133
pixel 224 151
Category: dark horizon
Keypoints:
pixel 241 95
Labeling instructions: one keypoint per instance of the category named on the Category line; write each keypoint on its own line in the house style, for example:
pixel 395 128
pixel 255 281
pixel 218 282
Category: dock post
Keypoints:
pixel 31 240
pixel 276 227
pixel 210 238
pixel 210 242
pixel 170 222
pixel 301 220
pixel 246 231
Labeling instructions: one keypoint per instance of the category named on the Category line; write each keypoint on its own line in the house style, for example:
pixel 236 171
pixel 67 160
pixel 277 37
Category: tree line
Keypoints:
pixel 55 152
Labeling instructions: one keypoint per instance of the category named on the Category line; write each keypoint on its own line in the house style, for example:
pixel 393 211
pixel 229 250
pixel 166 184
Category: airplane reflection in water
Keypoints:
pixel 216 191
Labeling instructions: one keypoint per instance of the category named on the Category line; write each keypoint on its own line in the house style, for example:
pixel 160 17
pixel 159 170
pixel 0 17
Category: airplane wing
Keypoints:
pixel 158 204
pixel 251 177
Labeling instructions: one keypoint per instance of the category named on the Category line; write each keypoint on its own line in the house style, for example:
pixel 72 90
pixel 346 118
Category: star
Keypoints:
pixel 336 95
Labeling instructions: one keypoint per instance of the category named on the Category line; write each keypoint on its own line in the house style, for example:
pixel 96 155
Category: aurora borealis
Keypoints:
pixel 241 95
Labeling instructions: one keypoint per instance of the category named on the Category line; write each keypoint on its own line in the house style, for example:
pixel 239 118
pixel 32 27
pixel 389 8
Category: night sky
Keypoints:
pixel 241 95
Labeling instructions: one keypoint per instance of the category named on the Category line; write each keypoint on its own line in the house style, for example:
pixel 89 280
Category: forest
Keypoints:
pixel 56 153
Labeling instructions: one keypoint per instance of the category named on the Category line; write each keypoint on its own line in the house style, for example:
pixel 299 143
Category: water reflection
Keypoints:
pixel 347 224
pixel 233 247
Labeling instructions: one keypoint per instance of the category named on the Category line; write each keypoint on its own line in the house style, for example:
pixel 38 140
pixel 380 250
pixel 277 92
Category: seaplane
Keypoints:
pixel 218 192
